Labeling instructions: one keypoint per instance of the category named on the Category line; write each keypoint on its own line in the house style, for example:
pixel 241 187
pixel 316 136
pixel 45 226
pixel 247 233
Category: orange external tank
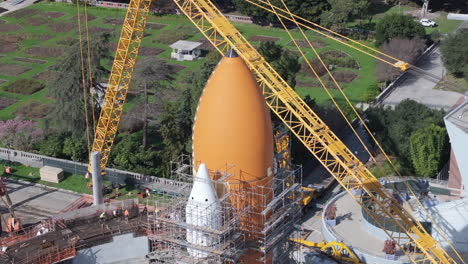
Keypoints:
pixel 233 126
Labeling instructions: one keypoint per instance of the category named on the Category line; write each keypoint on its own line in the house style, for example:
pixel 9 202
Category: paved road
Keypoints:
pixel 12 8
pixel 33 203
pixel 420 88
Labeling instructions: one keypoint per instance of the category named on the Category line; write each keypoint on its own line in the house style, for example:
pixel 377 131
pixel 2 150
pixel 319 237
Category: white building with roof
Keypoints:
pixel 184 50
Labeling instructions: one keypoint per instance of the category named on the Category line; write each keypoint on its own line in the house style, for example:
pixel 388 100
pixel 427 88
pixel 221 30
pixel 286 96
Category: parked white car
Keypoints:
pixel 427 22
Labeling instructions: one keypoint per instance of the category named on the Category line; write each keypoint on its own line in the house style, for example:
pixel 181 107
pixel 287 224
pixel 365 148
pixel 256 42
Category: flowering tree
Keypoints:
pixel 20 134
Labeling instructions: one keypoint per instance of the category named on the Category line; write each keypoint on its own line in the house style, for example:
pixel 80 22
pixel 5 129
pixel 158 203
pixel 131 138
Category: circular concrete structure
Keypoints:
pixel 353 230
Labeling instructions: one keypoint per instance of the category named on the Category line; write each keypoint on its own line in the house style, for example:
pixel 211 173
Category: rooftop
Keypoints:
pixel 459 115
pixel 185 45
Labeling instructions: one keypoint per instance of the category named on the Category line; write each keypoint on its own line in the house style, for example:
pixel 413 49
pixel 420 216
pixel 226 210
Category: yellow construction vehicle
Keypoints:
pixel 338 251
pixel 302 121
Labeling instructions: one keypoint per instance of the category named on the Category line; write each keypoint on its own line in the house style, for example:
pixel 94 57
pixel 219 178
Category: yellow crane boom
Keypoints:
pixel 285 103
pixel 120 78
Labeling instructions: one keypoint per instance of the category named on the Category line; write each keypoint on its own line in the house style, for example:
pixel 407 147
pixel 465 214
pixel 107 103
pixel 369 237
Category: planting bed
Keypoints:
pixel 25 86
pixel 23 13
pixel 145 51
pixel 345 77
pixel 63 27
pixel 6 46
pixel 6 101
pixel 308 84
pixel 13 37
pixel 30 60
pixel 304 44
pixel 263 38
pixel 45 37
pixel 98 30
pixel 67 41
pixel 154 26
pixel 33 110
pixel 47 76
pixel 45 51
pixel 13 69
pixel 2 81
pixel 9 27
pixel 53 14
pixel 113 21
pixel 82 18
pixel 176 68
pixel 37 21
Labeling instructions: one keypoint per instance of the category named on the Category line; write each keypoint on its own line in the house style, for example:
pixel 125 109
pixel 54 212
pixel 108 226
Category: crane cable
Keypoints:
pixel 359 117
pixel 90 69
pixel 323 84
pixel 83 76
pixel 305 23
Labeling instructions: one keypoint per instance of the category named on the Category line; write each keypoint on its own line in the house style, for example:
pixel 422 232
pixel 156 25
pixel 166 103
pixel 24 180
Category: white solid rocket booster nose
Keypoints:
pixel 204 211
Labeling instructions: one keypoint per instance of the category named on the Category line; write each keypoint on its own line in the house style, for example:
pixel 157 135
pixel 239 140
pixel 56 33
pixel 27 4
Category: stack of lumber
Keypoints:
pixel 51 174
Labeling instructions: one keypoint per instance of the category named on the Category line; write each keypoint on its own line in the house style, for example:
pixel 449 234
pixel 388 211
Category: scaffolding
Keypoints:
pixel 276 212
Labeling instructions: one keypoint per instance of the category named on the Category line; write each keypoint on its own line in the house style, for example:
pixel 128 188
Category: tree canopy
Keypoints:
pixel 397 25
pixel 429 150
pixel 342 11
pixel 67 115
pixel 283 61
pixel 452 49
pixel 402 48
pixel 309 9
pixel 394 127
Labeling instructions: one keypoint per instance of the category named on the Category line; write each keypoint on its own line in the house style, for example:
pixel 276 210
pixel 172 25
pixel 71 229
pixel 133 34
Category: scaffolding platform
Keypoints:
pixel 280 211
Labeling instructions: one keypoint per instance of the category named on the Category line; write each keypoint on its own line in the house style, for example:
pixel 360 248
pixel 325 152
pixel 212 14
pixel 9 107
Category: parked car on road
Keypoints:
pixel 427 22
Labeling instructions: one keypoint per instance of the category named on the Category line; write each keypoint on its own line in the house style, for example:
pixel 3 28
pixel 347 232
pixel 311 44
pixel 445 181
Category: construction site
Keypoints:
pixel 239 198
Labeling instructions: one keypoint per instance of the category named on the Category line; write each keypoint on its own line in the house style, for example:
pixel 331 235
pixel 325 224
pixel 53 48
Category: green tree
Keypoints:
pixel 397 25
pixel 393 127
pixel 283 61
pixel 309 9
pixel 175 127
pixel 343 11
pixel 452 47
pixel 52 146
pixel 68 114
pixel 129 154
pixel 75 148
pixel 429 150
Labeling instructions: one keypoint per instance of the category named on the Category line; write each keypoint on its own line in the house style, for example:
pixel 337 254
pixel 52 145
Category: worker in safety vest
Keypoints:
pixel 126 214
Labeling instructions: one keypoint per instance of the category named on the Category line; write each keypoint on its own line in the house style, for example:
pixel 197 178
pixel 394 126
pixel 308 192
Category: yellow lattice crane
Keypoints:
pixel 302 121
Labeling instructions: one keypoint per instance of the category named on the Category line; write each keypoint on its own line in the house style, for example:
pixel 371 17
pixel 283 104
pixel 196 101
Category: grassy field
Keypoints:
pixel 71 182
pixel 63 40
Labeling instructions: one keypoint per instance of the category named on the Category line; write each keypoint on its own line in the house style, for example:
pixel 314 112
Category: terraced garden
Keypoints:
pixel 33 40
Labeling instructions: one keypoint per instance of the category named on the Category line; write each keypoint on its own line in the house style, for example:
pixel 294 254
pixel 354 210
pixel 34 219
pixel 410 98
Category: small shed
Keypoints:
pixel 184 50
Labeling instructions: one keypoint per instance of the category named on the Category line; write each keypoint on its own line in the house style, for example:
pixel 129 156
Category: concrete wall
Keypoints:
pixel 123 249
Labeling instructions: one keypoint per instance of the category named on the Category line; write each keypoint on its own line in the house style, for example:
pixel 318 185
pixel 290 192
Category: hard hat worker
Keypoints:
pixel 126 214
pixel 102 218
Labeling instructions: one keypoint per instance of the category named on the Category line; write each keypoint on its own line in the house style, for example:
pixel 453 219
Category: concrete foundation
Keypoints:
pixel 123 249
